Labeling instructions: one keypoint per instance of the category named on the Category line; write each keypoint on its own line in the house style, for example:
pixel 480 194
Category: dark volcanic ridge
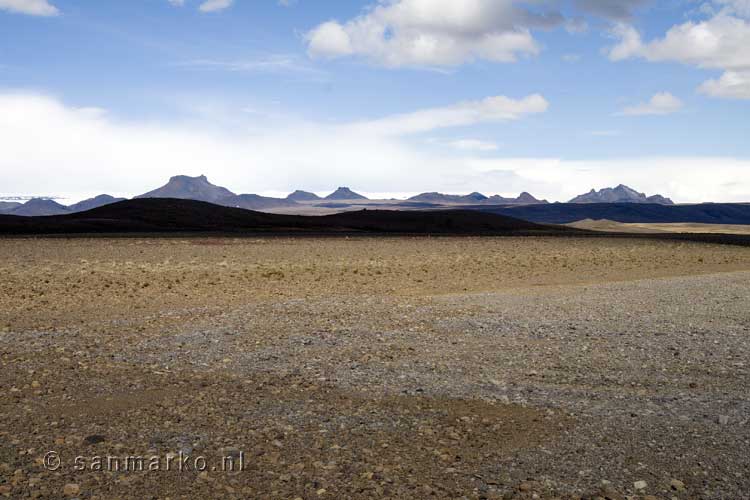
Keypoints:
pixel 566 213
pixel 166 215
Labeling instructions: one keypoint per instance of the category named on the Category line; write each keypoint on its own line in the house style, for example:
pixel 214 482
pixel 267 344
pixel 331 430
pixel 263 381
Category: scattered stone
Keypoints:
pixel 677 485
pixel 71 490
pixel 640 485
pixel 478 428
pixel 94 439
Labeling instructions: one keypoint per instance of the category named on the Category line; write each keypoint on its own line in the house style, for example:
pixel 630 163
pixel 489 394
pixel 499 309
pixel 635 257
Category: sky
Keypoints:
pixel 388 97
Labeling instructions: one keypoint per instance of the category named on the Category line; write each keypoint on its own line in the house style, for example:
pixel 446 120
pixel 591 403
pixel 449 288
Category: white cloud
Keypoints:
pixel 274 63
pixel 177 3
pixel 52 148
pixel 30 7
pixel 629 45
pixel 720 42
pixel 215 5
pixel 491 109
pixel 329 40
pixel 433 33
pixel 685 179
pixel 738 7
pixel 87 150
pixel 731 85
pixel 662 103
pixel 473 145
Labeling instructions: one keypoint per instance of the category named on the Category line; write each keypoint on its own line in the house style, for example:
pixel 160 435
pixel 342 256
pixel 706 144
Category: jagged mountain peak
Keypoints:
pixel 620 194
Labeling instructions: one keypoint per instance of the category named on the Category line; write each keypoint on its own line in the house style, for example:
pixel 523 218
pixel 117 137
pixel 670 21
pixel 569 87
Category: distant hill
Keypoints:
pixel 566 213
pixel 303 196
pixel 200 189
pixel 190 188
pixel 620 194
pixel 7 206
pixel 39 207
pixel 344 193
pixel 473 198
pixel 523 199
pixel 97 201
pixel 255 202
pixel 440 198
pixel 187 216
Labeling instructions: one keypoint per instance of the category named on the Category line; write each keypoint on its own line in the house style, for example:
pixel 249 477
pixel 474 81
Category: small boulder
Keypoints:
pixel 71 490
pixel 640 485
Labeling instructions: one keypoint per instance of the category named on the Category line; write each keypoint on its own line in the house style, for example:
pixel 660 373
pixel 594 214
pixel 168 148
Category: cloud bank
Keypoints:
pixel 215 5
pixel 489 110
pixel 720 42
pixel 663 103
pixel 50 148
pixel 433 33
pixel 30 7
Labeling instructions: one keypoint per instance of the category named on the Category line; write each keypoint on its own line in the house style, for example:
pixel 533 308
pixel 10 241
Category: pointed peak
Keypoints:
pixel 344 193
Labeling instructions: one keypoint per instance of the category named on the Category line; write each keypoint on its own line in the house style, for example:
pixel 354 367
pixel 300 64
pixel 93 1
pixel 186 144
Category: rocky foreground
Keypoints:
pixel 375 368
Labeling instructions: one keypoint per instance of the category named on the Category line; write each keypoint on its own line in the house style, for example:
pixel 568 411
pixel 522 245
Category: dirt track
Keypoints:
pixel 368 368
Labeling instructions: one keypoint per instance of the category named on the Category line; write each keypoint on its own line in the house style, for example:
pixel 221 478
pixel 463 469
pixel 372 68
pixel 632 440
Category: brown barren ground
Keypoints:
pixel 677 227
pixel 376 367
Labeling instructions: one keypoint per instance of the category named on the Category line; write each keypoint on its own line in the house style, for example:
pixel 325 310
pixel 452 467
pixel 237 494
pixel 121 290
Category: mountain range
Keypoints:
pixel 620 194
pixel 169 215
pixel 476 198
pixel 201 189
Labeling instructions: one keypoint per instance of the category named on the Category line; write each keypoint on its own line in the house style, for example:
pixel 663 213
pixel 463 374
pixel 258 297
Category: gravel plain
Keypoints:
pixel 377 367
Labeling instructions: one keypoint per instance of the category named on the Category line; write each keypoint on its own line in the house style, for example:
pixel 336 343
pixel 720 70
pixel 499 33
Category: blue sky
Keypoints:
pixel 392 97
